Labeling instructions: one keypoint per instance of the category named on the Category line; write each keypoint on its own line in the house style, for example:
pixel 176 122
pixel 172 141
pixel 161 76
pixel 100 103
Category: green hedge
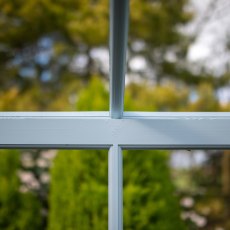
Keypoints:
pixel 78 193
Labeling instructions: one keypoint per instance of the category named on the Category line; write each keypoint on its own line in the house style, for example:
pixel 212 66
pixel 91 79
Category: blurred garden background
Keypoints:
pixel 54 57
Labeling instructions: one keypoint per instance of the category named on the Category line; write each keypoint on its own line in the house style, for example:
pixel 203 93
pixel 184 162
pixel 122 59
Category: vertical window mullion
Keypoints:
pixel 119 13
pixel 119 18
pixel 115 188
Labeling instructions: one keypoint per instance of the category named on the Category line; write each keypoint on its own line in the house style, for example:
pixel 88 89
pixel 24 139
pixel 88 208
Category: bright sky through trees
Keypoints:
pixel 211 22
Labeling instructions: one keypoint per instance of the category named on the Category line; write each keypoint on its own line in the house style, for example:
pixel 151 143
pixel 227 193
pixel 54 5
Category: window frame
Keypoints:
pixel 115 130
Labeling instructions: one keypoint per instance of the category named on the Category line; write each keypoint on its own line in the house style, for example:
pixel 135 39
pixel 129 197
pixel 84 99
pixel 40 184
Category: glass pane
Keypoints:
pixel 50 51
pixel 178 56
pixel 53 189
pixel 179 189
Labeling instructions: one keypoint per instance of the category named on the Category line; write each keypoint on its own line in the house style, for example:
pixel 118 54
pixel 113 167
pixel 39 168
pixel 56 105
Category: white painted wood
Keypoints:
pixel 98 130
pixel 115 188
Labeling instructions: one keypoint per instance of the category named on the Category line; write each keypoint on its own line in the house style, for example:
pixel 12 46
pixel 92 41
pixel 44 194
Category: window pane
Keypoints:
pixel 50 51
pixel 179 189
pixel 53 189
pixel 178 56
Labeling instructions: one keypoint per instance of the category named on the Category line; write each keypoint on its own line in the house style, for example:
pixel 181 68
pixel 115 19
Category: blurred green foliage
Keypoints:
pixel 73 28
pixel 76 20
pixel 18 211
pixel 78 195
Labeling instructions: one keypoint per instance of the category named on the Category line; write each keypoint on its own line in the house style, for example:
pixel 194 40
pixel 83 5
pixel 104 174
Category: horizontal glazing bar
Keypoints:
pixel 136 130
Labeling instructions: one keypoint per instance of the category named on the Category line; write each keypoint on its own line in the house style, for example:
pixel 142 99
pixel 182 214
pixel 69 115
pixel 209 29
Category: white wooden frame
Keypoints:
pixel 115 130
pixel 136 130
